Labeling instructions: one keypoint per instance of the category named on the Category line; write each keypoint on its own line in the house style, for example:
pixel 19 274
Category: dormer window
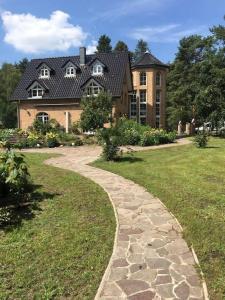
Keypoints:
pixel 36 91
pixel 70 70
pixel 97 69
pixel 44 72
pixel 93 89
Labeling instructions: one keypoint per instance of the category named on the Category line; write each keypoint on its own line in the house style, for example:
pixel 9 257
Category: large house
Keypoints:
pixel 52 88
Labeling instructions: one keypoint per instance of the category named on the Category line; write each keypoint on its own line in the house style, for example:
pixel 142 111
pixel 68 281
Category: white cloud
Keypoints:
pixel 92 47
pixel 30 34
pixel 169 33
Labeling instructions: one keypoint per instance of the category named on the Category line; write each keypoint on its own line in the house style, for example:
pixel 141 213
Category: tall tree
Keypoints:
pixel 22 64
pixel 104 44
pixel 9 78
pixel 121 47
pixel 141 48
pixel 196 85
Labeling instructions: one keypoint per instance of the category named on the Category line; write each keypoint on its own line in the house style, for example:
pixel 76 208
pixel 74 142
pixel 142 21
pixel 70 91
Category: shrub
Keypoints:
pixel 14 175
pixel 77 141
pixel 52 139
pixel 133 133
pixel 34 139
pixel 201 139
pixel 75 128
pixel 110 143
pixel 43 128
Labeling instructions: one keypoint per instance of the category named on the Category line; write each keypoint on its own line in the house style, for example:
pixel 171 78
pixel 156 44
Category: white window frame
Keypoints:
pixel 143 75
pixel 133 102
pixel 43 117
pixel 44 72
pixel 97 69
pixel 141 102
pixel 36 90
pixel 93 86
pixel 158 76
pixel 70 70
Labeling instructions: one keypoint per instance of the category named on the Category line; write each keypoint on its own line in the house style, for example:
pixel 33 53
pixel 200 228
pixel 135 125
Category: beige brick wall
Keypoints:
pixel 151 92
pixel 29 109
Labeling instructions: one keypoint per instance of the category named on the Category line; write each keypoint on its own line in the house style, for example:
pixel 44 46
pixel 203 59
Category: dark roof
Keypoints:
pixel 60 87
pixel 148 60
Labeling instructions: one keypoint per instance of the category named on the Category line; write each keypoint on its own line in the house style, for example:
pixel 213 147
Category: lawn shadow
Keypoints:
pixel 13 213
pixel 212 147
pixel 131 159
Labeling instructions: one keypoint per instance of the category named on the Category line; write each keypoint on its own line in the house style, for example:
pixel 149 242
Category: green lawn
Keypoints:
pixel 191 183
pixel 61 243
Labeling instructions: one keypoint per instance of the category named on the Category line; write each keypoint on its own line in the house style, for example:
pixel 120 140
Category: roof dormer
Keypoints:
pixel 70 69
pixel 97 67
pixel 44 71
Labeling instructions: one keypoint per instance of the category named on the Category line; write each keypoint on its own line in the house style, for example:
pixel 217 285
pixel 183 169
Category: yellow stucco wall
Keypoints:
pixel 151 88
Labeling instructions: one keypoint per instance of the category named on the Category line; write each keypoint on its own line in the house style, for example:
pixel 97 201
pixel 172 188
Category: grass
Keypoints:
pixel 191 183
pixel 60 244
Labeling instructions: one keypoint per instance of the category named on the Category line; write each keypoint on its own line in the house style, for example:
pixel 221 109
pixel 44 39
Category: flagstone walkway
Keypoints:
pixel 150 259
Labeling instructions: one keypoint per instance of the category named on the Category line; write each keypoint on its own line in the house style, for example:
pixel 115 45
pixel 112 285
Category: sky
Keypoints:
pixel 49 28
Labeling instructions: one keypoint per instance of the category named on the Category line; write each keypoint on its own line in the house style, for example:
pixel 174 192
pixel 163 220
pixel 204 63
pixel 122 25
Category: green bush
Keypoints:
pixel 75 128
pixel 77 141
pixel 133 133
pixel 201 139
pixel 14 176
pixel 52 139
pixel 110 143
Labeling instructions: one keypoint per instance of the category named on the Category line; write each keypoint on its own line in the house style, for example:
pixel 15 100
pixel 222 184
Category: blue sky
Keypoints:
pixel 45 28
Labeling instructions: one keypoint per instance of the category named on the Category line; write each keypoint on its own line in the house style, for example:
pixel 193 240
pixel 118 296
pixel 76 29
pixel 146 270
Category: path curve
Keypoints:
pixel 150 259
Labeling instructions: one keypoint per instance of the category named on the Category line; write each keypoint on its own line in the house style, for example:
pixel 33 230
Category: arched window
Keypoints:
pixel 158 79
pixel 143 78
pixel 93 89
pixel 36 91
pixel 43 117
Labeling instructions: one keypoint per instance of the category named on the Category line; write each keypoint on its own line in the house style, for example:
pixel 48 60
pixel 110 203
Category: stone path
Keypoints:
pixel 150 259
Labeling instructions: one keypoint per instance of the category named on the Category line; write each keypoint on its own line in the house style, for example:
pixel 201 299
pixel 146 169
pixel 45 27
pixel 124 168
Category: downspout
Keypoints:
pixel 18 114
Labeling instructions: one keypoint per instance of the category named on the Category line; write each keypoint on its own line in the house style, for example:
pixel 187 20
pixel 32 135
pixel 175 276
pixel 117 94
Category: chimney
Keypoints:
pixel 82 56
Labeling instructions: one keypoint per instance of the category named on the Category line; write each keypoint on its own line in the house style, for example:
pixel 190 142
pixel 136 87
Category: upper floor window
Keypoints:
pixel 158 79
pixel 43 117
pixel 93 89
pixel 36 91
pixel 44 72
pixel 97 69
pixel 158 96
pixel 143 78
pixel 70 71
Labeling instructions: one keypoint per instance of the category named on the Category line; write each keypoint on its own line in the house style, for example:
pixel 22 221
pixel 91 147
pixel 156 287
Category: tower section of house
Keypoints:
pixel 148 99
pixel 52 88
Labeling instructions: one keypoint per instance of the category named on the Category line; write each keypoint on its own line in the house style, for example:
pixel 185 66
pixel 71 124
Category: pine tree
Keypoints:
pixel 121 47
pixel 141 48
pixel 104 44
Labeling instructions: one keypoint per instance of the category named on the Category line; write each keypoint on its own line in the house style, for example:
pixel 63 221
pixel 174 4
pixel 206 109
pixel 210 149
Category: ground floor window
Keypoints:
pixel 43 117
pixel 143 107
pixel 133 105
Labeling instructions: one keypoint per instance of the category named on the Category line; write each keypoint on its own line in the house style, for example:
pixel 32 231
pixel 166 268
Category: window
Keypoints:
pixel 143 78
pixel 36 91
pixel 93 89
pixel 70 70
pixel 158 79
pixel 157 108
pixel 97 69
pixel 133 106
pixel 157 122
pixel 158 96
pixel 143 106
pixel 43 117
pixel 44 73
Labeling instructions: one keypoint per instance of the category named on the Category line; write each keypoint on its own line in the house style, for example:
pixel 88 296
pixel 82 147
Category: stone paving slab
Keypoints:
pixel 150 258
